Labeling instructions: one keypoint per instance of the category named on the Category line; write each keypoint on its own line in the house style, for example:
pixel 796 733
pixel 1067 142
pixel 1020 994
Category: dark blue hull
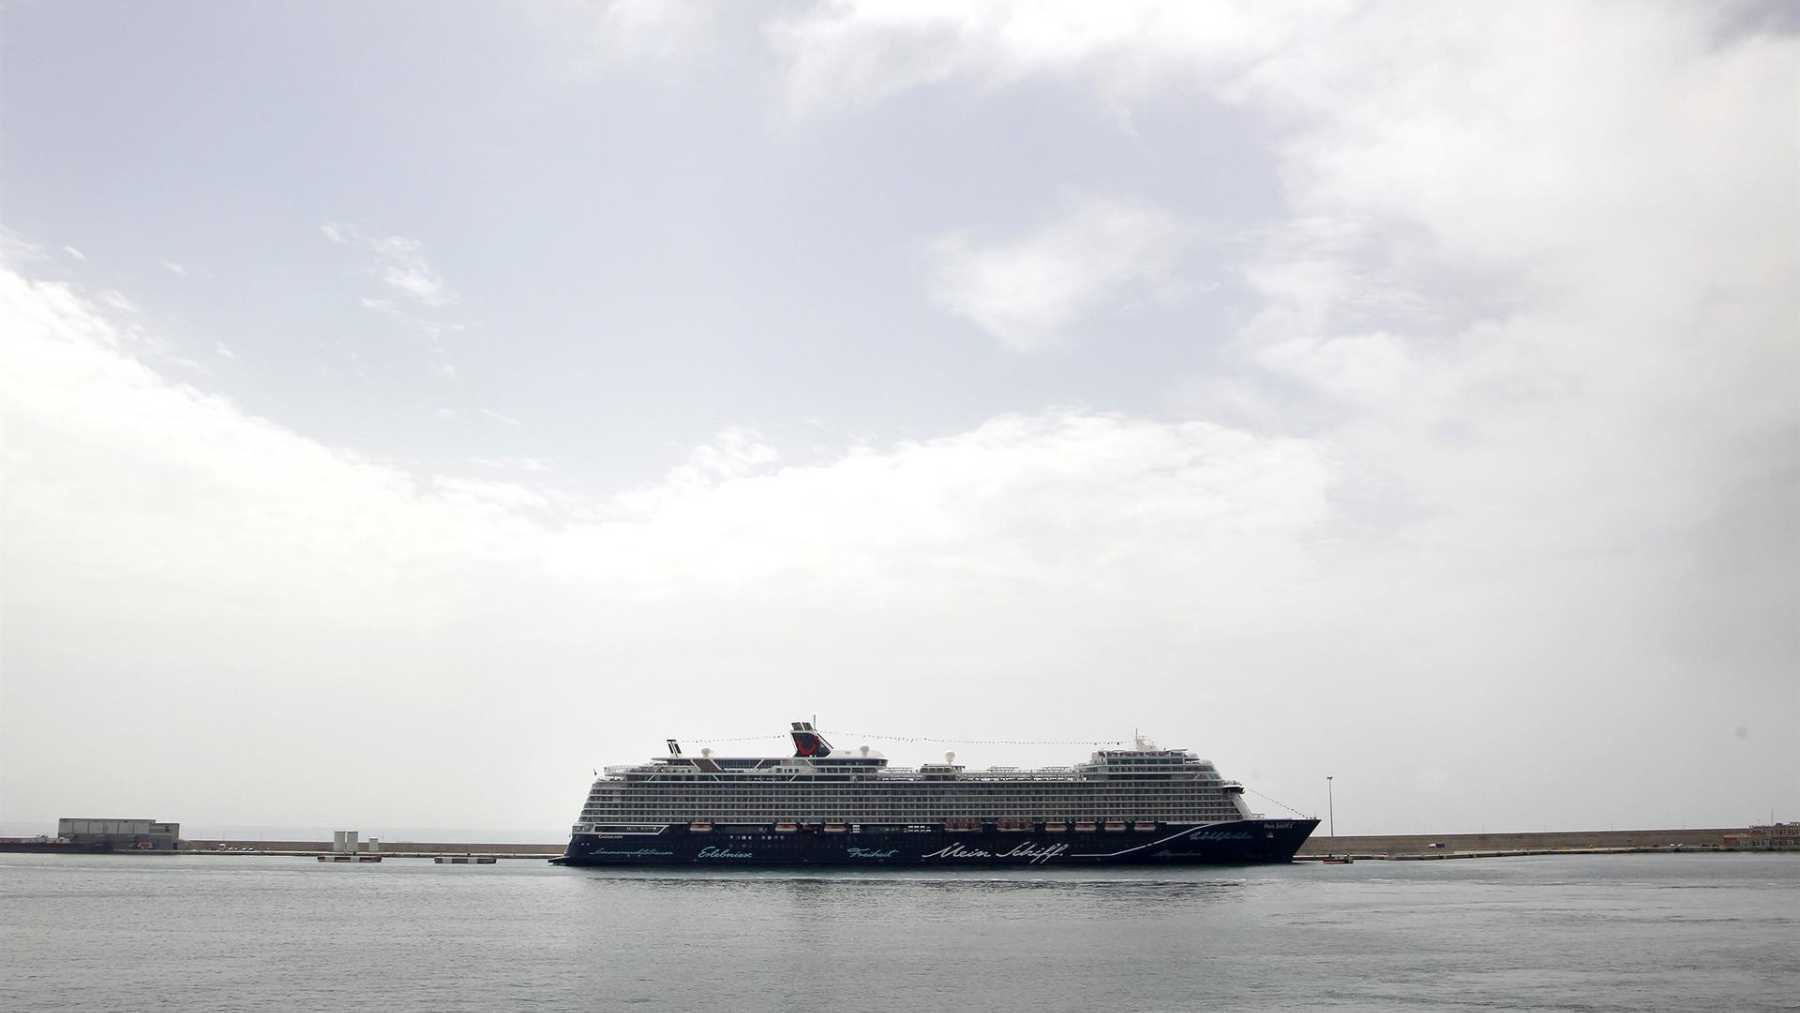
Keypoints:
pixel 1241 842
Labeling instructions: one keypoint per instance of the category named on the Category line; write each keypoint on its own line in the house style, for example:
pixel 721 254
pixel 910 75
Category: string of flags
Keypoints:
pixel 977 742
pixel 1277 801
pixel 843 736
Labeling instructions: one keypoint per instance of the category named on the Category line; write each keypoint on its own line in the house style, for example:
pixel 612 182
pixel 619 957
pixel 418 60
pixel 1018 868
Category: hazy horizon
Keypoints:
pixel 409 409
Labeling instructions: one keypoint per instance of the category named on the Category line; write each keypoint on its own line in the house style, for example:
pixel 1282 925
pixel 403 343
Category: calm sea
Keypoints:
pixel 1639 932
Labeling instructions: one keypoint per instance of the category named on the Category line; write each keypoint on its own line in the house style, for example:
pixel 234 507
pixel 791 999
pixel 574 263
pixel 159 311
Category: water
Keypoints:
pixel 1637 932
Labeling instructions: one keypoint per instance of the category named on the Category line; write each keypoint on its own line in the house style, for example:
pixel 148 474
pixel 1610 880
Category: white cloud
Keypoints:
pixel 735 453
pixel 655 36
pixel 117 300
pixel 1372 370
pixel 16 250
pixel 533 464
pixel 1565 237
pixel 502 419
pixel 224 350
pixel 1493 240
pixel 1520 365
pixel 658 29
pixel 291 555
pixel 1535 287
pixel 399 262
pixel 509 501
pixel 73 252
pixel 403 267
pixel 175 269
pixel 1028 291
pixel 849 52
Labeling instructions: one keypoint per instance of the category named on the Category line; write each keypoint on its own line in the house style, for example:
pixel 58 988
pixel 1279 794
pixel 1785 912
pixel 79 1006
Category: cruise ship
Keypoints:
pixel 823 807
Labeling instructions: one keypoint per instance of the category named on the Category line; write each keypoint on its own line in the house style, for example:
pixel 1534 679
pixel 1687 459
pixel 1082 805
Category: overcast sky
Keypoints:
pixel 411 407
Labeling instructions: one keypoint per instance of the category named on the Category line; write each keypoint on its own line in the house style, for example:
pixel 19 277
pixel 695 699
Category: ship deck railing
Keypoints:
pixel 641 773
pixel 997 774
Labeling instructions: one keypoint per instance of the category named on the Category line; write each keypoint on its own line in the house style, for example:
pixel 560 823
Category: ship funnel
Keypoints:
pixel 808 741
pixel 674 748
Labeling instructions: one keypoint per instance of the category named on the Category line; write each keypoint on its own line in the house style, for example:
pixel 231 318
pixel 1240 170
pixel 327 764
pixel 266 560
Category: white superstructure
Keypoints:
pixel 1142 785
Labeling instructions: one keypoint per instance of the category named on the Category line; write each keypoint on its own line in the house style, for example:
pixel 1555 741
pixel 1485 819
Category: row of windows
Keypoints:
pixel 1024 808
pixel 848 799
pixel 871 819
pixel 919 788
pixel 902 814
pixel 890 813
pixel 822 798
pixel 998 783
pixel 904 801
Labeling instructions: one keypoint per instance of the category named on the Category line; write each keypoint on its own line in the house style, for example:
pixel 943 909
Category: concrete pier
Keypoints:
pixel 389 849
pixel 1396 847
pixel 1423 847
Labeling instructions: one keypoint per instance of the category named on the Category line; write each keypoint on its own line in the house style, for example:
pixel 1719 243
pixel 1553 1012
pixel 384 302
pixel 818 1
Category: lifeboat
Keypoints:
pixel 835 828
pixel 1084 826
pixel 786 828
pixel 1115 824
pixel 1013 826
pixel 701 826
pixel 1056 826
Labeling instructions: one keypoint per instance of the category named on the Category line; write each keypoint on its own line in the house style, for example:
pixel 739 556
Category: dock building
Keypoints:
pixel 1774 837
pixel 121 835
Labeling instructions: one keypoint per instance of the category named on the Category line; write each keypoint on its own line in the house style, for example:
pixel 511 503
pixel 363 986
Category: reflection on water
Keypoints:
pixel 829 888
pixel 1590 932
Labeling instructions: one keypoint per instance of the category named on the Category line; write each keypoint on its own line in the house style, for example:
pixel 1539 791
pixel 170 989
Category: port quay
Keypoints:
pixel 1405 847
pixel 395 849
pixel 1401 847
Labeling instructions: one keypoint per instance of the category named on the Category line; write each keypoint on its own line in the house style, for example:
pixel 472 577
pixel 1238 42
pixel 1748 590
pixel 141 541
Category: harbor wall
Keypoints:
pixel 1400 844
pixel 389 848
pixel 1319 844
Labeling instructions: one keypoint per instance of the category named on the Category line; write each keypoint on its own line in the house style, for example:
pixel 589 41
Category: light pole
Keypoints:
pixel 1330 808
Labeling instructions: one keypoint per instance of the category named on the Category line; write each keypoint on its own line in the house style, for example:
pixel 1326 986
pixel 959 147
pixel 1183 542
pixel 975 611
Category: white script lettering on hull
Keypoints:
pixel 722 853
pixel 1035 854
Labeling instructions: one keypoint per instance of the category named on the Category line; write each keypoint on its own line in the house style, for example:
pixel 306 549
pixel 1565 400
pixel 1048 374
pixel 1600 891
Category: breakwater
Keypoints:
pixel 1397 847
pixel 1496 845
pixel 389 849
